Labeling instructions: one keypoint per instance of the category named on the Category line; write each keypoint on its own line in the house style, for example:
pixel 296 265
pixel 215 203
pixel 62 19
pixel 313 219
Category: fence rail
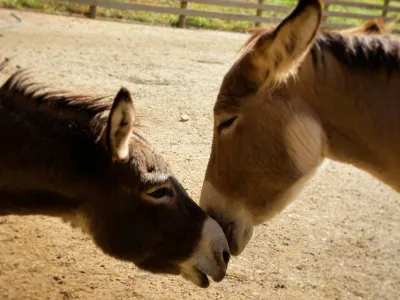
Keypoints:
pixel 331 10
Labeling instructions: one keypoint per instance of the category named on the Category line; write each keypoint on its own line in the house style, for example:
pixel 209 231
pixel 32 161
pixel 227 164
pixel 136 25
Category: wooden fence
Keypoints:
pixel 333 9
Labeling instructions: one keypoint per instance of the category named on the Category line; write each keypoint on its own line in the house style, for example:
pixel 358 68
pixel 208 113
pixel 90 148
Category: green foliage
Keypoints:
pixel 55 6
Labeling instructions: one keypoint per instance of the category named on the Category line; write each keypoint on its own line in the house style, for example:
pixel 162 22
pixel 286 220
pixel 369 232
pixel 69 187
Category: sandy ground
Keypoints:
pixel 339 240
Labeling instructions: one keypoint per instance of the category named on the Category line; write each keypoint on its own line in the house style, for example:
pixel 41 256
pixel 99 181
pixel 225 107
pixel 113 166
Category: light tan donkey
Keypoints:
pixel 294 96
pixel 373 26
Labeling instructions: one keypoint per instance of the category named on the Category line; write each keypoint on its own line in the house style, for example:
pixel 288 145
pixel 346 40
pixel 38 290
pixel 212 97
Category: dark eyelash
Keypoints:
pixel 226 124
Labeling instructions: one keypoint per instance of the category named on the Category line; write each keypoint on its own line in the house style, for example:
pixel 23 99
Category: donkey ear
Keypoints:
pixel 255 30
pixel 120 125
pixel 375 26
pixel 278 52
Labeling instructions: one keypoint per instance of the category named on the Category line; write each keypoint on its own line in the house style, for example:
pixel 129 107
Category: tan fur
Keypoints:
pixel 302 145
pixel 374 26
pixel 121 123
pixel 234 208
pixel 270 55
pixel 287 197
pixel 293 107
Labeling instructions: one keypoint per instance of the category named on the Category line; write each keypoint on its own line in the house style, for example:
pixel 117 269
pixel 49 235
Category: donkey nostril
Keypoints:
pixel 226 256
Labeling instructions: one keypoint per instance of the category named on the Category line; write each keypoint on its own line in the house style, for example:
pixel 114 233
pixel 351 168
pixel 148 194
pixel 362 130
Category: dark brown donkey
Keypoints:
pixel 82 159
pixel 295 96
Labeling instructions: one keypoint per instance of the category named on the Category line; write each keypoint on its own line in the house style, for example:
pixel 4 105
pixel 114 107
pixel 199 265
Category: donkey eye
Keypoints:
pixel 226 124
pixel 161 193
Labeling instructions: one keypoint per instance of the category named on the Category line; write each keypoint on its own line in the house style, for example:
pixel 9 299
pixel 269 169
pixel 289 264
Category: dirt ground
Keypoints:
pixel 339 240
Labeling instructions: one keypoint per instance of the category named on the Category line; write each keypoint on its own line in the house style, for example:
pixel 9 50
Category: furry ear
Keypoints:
pixel 374 26
pixel 378 26
pixel 276 53
pixel 255 30
pixel 120 125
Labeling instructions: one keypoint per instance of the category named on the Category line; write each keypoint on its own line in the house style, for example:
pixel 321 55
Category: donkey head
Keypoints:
pixel 143 214
pixel 266 143
pixel 88 164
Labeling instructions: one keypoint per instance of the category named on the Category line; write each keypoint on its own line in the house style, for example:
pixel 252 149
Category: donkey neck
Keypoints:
pixel 352 83
pixel 36 202
pixel 48 172
pixel 49 159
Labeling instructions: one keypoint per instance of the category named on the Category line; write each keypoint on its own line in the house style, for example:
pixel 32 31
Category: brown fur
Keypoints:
pixel 374 26
pixel 295 96
pixel 82 158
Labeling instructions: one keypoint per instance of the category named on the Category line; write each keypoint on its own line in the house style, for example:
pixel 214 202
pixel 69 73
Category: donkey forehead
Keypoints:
pixel 144 157
pixel 235 89
pixel 240 82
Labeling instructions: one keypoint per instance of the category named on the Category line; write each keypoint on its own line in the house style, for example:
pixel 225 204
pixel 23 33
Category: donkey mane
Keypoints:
pixel 359 51
pixel 22 94
pixel 369 52
pixel 20 89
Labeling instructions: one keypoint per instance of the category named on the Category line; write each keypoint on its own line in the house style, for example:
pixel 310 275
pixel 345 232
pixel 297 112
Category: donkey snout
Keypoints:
pixel 214 236
pixel 222 259
pixel 210 258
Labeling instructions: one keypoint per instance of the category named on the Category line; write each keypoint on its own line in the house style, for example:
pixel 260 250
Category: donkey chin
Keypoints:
pixel 236 222
pixel 207 258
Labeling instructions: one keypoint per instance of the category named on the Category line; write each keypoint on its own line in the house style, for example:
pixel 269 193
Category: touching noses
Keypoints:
pixel 222 257
pixel 219 247
pixel 221 253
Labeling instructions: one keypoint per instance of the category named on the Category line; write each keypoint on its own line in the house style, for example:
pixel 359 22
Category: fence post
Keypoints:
pixel 92 11
pixel 385 8
pixel 259 13
pixel 182 18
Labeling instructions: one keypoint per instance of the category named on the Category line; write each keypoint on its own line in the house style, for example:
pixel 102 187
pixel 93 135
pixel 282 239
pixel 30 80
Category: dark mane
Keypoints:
pixel 368 52
pixel 365 52
pixel 21 93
